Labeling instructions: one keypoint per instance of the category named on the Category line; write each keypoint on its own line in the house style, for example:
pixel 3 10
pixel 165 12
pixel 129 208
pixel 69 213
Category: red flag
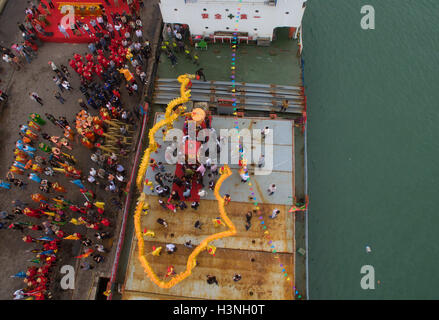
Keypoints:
pixel 86 254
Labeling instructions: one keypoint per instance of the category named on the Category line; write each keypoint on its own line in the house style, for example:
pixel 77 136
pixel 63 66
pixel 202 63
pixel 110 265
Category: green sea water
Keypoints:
pixel 373 148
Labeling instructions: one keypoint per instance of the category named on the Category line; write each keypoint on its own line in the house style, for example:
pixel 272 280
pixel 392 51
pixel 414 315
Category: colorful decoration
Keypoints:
pixel 170 116
pixel 86 254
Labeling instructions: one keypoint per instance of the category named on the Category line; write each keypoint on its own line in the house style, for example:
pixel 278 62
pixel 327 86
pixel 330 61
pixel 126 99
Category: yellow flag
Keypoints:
pixel 156 252
pixel 100 204
pixel 149 233
pixel 71 237
pixel 76 222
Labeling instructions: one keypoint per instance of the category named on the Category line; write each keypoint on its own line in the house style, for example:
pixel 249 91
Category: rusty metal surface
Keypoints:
pixel 261 275
pixel 246 253
pixel 181 226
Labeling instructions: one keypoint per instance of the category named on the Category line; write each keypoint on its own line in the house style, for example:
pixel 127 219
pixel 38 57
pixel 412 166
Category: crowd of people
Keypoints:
pixel 53 214
pixel 175 43
pixel 28 47
pixel 43 158
pixel 45 220
pixel 106 25
pixel 51 203
pixel 187 182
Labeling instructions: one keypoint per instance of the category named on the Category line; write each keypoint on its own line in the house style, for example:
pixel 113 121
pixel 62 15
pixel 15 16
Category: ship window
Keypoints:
pixel 227 28
pixel 204 9
pixel 256 11
pixel 175 9
pixel 227 10
pixel 287 12
pixel 256 29
pixel 207 27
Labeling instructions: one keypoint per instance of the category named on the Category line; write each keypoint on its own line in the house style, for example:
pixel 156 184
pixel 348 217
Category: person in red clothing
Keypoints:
pixel 60 234
pixel 50 260
pixel 72 64
pixel 153 164
pixel 99 70
pixel 100 56
pixel 116 93
pixel 31 272
pixel 94 226
pixel 32 213
pixel 44 270
pixel 171 207
pixel 90 66
pixel 30 282
pixel 114 112
pixel 53 245
pixel 105 222
pixel 79 64
pixel 227 199
pixel 87 75
pixel 42 280
pixel 97 129
pixel 74 208
pixel 28 239
pixel 105 63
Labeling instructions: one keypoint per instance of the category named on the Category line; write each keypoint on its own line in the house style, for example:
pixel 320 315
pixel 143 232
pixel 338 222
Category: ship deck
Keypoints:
pixel 276 64
pixel 247 253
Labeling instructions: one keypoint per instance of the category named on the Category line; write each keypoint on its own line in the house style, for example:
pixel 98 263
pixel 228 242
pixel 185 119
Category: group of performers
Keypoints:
pixel 58 210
